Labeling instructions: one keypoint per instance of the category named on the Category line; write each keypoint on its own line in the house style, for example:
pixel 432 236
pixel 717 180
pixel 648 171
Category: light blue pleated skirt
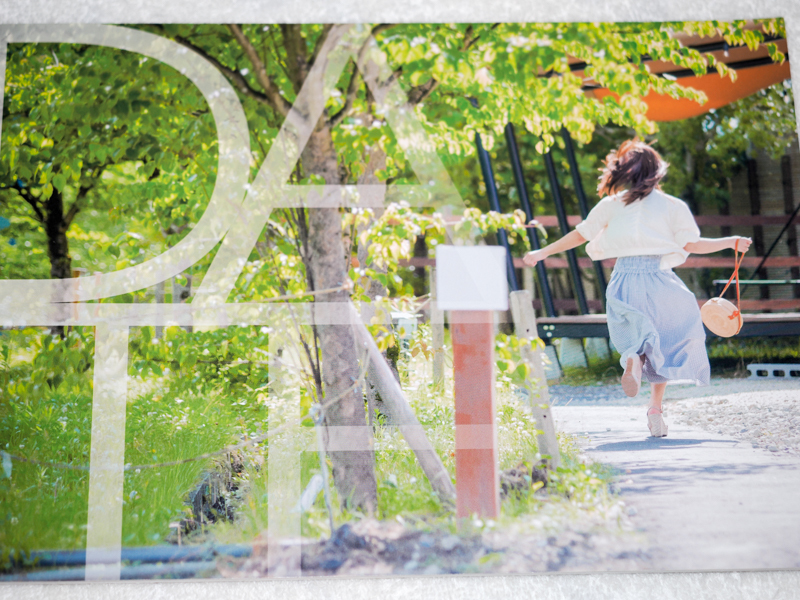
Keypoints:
pixel 651 312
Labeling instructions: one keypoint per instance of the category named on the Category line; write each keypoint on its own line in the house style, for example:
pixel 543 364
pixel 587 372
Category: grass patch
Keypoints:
pixel 577 489
pixel 728 357
pixel 748 350
pixel 599 372
pixel 191 394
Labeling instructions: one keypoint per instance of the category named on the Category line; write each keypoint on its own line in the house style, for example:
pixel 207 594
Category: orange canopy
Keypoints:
pixel 720 91
pixel 751 77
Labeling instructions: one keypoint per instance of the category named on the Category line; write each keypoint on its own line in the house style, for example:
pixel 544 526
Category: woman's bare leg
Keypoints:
pixel 656 396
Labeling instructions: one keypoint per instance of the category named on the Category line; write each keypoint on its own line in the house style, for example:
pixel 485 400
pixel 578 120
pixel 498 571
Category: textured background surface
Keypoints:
pixel 678 586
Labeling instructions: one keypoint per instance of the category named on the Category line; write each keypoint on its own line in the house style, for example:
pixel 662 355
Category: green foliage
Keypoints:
pixel 23 246
pixel 705 152
pixel 747 350
pixel 499 66
pixel 510 358
pixel 201 393
pixel 391 237
pixel 75 114
pixel 404 493
pixel 585 485
pixel 195 393
pixel 127 142
pixel 599 371
pixel 231 360
pixel 45 412
pixel 189 394
pixel 147 141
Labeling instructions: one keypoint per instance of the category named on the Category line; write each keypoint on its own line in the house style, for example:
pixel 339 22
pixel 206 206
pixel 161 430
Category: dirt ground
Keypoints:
pixel 370 548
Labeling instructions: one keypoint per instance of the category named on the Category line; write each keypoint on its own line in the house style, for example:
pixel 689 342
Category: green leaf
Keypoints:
pixel 24 172
pixel 520 374
pixel 122 108
pixel 59 181
pixel 100 152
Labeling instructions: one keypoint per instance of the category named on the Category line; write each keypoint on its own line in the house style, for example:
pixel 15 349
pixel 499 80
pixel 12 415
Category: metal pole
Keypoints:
pixel 758 230
pixel 494 204
pixel 789 222
pixel 583 204
pixel 562 221
pixel 788 205
pixel 533 235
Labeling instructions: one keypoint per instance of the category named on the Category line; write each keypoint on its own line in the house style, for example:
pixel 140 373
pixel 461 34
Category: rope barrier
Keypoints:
pixel 347 286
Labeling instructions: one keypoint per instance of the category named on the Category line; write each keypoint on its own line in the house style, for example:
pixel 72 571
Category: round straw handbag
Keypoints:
pixel 720 316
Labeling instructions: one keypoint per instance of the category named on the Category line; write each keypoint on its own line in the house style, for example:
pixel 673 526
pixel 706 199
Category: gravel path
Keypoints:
pixel 769 420
pixel 720 492
pixel 765 413
pixel 612 395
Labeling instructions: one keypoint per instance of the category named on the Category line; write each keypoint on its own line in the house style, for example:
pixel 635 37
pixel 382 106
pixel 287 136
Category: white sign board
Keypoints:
pixel 471 278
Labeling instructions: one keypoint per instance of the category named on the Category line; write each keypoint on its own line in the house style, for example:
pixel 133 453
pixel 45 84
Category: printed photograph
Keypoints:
pixel 351 300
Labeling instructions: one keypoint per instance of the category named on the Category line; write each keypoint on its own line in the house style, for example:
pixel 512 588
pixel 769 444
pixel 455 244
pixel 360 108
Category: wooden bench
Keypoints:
pixel 589 326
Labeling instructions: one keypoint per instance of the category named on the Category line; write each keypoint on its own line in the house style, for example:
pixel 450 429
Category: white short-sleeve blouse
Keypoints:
pixel 658 224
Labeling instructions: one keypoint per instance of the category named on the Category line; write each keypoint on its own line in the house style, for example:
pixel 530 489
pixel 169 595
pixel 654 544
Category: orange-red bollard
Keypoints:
pixel 477 481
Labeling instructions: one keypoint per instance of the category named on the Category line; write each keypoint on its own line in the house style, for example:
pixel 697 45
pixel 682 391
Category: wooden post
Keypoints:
pixel 477 478
pixel 471 285
pixel 525 325
pixel 527 280
pixel 437 335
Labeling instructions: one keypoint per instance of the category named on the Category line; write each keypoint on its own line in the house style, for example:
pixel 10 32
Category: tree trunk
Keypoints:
pixel 353 470
pixel 57 244
pixel 419 281
pixel 55 227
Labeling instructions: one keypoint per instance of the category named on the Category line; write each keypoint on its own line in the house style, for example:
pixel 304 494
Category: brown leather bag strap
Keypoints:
pixel 737 262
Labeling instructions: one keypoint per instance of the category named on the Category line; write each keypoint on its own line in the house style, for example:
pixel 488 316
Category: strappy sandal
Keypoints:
pixel 632 378
pixel 656 424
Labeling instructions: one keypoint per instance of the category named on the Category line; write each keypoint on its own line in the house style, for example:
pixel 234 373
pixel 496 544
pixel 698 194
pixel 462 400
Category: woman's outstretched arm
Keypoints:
pixel 709 245
pixel 572 240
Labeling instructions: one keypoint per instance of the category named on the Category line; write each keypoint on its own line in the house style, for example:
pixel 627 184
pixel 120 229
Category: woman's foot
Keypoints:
pixel 632 377
pixel 655 422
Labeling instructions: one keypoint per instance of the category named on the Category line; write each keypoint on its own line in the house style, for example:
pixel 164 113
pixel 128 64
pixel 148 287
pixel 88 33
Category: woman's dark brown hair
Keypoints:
pixel 635 167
